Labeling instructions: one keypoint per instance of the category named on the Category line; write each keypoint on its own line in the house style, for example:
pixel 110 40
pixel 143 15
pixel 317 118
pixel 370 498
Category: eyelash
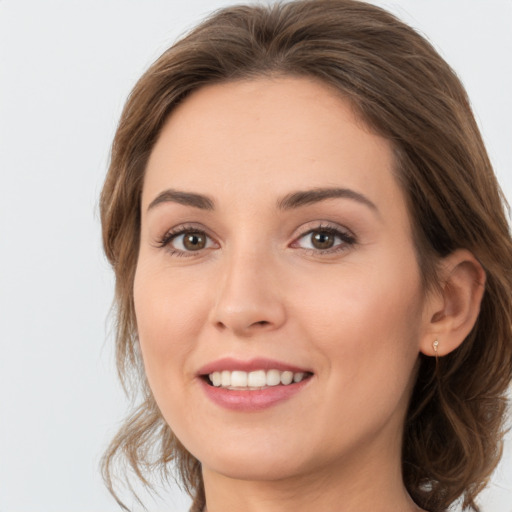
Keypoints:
pixel 165 241
pixel 347 240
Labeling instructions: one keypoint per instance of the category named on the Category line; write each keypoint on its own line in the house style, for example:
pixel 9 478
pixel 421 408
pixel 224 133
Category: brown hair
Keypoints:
pixel 406 92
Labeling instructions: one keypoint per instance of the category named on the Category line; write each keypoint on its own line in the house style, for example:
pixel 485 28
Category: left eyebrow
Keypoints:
pixel 306 197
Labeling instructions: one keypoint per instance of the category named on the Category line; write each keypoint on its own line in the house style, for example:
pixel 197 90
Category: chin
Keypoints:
pixel 254 468
pixel 278 465
pixel 258 460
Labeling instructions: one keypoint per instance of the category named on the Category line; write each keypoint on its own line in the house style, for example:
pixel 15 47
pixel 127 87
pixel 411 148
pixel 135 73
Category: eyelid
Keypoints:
pixel 323 225
pixel 164 241
pixel 347 236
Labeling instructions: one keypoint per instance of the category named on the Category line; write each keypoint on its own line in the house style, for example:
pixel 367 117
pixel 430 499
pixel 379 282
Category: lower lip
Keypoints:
pixel 257 400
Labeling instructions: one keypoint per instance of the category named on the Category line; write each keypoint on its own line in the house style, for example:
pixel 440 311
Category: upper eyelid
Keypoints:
pixel 323 225
pixel 181 229
pixel 187 227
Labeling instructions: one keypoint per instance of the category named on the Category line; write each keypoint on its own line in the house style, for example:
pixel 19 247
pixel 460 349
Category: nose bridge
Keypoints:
pixel 247 298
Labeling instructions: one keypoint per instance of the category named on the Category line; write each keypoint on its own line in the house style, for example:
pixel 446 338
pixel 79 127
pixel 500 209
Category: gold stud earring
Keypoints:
pixel 435 345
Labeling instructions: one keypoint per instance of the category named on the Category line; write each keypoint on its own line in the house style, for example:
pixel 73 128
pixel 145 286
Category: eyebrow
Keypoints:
pixel 306 197
pixel 186 198
pixel 288 202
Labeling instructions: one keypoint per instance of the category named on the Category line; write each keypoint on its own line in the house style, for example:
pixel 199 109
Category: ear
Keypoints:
pixel 452 309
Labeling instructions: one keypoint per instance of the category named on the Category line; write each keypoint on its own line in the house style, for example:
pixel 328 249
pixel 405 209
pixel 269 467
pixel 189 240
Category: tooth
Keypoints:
pixel 239 379
pixel 226 378
pixel 216 378
pixel 273 377
pixel 297 377
pixel 286 378
pixel 257 379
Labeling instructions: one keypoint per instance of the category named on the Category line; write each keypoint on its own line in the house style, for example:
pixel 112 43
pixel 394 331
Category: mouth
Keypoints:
pixel 252 385
pixel 238 380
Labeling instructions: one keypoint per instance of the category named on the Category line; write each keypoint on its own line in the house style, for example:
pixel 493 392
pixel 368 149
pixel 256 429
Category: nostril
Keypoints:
pixel 262 323
pixel 220 326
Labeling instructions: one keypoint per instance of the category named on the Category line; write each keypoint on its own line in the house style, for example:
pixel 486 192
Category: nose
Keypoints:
pixel 249 297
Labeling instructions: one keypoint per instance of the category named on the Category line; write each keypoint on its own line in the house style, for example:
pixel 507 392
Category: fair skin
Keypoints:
pixel 236 268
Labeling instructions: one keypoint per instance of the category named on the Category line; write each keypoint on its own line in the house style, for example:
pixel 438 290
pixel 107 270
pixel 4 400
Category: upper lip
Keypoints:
pixel 232 364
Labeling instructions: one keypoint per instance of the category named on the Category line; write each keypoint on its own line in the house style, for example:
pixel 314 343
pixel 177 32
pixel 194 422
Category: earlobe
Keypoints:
pixel 455 305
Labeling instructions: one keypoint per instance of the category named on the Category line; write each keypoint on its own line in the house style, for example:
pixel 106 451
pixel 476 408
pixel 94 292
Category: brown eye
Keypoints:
pixel 194 241
pixel 189 241
pixel 322 239
pixel 325 240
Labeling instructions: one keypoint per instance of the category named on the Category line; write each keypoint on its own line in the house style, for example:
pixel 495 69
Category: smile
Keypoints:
pixel 255 380
pixel 248 386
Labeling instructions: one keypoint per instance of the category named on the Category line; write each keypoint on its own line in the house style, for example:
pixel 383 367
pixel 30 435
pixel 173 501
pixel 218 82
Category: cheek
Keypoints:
pixel 168 313
pixel 367 332
pixel 367 322
pixel 362 298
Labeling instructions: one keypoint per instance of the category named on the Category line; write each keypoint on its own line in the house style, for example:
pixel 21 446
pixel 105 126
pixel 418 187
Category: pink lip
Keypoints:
pixel 248 401
pixel 245 400
pixel 232 364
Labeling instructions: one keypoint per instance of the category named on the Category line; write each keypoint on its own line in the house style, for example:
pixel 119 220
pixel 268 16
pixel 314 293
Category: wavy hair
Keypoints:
pixel 403 90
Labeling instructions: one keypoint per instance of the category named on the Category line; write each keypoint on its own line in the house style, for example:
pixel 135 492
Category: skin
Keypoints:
pixel 356 316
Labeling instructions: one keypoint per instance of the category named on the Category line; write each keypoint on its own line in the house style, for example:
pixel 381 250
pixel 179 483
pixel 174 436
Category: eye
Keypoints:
pixel 321 240
pixel 325 239
pixel 191 241
pixel 183 241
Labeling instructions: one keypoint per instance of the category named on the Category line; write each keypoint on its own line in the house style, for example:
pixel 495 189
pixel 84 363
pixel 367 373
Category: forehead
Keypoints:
pixel 269 135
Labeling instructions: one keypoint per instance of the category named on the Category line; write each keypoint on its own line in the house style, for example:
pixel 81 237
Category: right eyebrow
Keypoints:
pixel 186 198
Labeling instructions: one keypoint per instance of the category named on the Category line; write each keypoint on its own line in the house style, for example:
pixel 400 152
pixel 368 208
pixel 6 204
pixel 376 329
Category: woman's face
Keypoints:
pixel 276 246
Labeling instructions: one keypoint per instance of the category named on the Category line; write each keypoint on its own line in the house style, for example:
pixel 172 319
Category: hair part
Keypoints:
pixel 403 90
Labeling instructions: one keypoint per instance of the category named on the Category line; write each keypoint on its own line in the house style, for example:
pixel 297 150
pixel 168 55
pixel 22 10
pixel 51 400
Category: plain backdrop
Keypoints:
pixel 66 68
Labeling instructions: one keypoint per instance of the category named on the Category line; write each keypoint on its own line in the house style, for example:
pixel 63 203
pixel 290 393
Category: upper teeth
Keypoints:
pixel 256 379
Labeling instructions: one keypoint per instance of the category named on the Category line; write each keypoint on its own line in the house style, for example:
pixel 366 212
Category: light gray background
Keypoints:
pixel 66 68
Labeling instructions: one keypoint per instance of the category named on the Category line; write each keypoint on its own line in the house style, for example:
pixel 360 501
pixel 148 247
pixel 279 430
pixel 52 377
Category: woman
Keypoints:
pixel 312 267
